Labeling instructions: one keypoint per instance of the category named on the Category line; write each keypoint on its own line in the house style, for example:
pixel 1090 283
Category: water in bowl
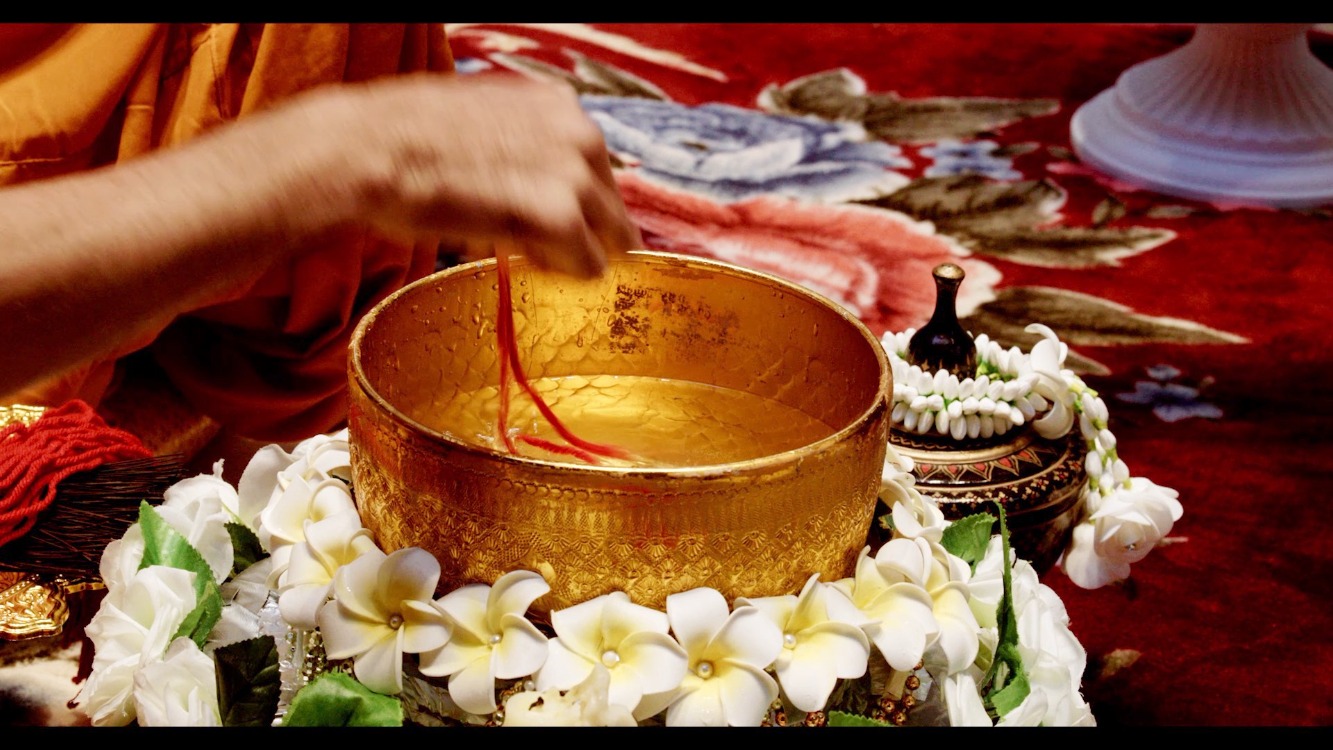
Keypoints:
pixel 660 422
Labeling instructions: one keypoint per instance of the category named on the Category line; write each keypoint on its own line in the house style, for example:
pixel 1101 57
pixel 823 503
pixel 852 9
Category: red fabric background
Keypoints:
pixel 1229 623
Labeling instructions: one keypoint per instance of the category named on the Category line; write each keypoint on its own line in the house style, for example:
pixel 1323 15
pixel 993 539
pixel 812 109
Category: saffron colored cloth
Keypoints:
pixel 269 362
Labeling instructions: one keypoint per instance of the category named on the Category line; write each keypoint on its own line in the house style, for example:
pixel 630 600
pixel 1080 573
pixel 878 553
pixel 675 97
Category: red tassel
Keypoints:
pixel 36 458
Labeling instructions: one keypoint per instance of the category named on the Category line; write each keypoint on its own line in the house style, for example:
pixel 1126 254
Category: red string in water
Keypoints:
pixel 511 367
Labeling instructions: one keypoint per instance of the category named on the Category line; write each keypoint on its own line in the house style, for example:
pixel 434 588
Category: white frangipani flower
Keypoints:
pixel 629 641
pixel 914 514
pixel 271 470
pixel 283 523
pixel 919 517
pixel 726 684
pixel 306 584
pixel 944 577
pixel 181 690
pixel 822 641
pixel 130 630
pixel 492 639
pixel 382 609
pixel 900 609
pixel 585 705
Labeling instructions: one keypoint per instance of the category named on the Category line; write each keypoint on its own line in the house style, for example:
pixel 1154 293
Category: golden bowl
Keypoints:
pixel 760 411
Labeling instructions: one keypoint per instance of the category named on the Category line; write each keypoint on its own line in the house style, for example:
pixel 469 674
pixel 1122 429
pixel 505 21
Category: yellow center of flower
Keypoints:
pixel 788 640
pixel 610 658
pixel 494 639
pixel 704 669
pixel 395 621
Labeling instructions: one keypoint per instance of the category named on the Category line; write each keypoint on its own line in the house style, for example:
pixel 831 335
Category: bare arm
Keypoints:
pixel 92 261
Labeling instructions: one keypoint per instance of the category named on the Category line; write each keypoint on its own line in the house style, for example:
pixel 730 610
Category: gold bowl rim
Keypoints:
pixel 753 465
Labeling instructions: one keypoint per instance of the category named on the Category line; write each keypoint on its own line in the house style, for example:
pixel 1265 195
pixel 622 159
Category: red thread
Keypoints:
pixel 504 332
pixel 36 458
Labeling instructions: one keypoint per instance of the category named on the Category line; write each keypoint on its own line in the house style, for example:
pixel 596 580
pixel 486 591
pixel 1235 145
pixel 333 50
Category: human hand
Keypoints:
pixel 493 159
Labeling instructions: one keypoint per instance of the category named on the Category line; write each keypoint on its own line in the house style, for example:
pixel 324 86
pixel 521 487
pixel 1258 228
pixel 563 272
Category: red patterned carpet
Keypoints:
pixel 1205 328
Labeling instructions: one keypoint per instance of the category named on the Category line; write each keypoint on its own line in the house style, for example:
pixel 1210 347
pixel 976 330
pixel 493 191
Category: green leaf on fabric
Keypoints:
pixel 334 699
pixel 843 719
pixel 163 545
pixel 246 547
pixel 249 682
pixel 968 537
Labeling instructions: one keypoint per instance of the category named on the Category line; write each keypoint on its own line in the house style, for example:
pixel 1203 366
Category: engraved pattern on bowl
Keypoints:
pixel 752 527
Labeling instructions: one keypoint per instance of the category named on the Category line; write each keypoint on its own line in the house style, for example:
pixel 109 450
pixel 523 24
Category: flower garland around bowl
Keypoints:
pixel 268 603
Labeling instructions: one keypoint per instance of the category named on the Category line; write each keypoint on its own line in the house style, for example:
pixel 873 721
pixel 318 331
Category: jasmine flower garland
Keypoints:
pixel 1124 516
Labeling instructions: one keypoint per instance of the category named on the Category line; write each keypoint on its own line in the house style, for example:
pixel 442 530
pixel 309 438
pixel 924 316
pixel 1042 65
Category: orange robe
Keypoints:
pixel 269 364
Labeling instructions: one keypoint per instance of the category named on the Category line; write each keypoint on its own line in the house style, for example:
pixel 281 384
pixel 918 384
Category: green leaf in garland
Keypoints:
pixel 246 547
pixel 854 695
pixel 886 523
pixel 334 699
pixel 843 719
pixel 249 682
pixel 1010 696
pixel 968 537
pixel 1004 691
pixel 163 545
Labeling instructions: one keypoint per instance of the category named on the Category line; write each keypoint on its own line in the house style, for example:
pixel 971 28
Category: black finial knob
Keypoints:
pixel 942 343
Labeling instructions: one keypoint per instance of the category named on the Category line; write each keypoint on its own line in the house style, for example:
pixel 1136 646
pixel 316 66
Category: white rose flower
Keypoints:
pixel 1084 566
pixel 1131 520
pixel 121 558
pixel 962 698
pixel 131 629
pixel 178 691
pixel 243 597
pixel 585 705
pixel 986 587
pixel 199 508
pixel 1052 657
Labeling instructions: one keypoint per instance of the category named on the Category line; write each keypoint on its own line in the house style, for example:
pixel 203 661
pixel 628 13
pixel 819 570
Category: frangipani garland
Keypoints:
pixel 934 617
pixel 1124 516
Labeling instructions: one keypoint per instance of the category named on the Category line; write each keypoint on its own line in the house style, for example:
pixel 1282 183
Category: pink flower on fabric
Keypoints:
pixel 875 262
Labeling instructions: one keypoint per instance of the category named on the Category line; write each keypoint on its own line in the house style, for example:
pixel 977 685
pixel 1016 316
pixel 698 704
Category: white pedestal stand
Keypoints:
pixel 1242 113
